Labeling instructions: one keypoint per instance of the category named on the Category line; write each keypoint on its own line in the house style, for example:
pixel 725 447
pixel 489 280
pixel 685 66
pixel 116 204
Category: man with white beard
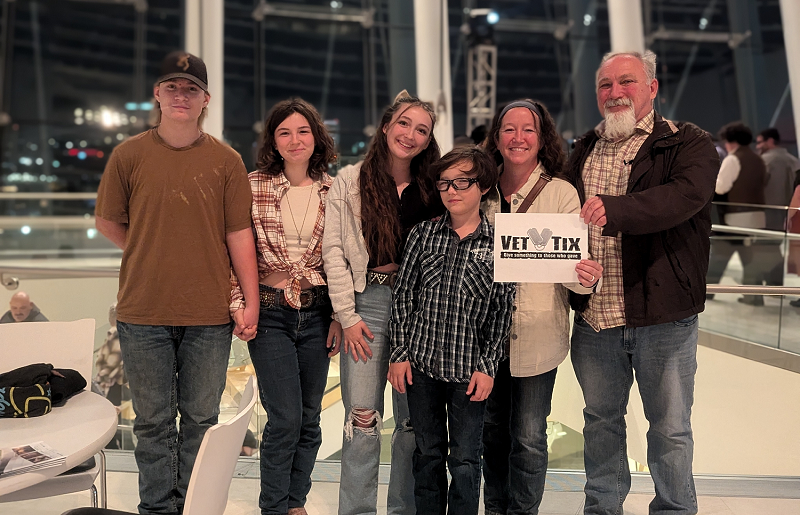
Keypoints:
pixel 647 185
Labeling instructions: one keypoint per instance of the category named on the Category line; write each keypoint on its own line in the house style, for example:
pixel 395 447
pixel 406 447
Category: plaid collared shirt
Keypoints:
pixel 272 255
pixel 606 172
pixel 448 318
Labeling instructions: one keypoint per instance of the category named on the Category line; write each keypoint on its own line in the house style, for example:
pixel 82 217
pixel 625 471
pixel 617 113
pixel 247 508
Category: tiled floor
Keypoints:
pixel 324 497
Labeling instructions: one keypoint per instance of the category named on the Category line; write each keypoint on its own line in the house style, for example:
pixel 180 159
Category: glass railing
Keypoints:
pixel 81 282
pixel 758 251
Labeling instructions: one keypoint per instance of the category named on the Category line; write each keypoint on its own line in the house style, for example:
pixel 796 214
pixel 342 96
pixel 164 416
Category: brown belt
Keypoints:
pixel 381 278
pixel 313 297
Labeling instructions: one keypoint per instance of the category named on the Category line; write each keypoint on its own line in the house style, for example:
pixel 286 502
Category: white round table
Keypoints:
pixel 78 429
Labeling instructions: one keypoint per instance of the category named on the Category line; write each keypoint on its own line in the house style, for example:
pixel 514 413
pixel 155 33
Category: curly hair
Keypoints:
pixel 379 221
pixel 736 132
pixel 551 153
pixel 270 161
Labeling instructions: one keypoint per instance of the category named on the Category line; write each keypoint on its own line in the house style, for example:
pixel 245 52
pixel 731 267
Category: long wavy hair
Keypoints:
pixel 270 161
pixel 551 153
pixel 379 221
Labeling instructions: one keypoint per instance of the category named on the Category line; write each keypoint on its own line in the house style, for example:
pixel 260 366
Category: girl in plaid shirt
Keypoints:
pixel 295 338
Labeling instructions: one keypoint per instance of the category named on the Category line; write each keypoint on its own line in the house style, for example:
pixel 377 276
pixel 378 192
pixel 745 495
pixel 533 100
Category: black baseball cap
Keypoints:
pixel 183 65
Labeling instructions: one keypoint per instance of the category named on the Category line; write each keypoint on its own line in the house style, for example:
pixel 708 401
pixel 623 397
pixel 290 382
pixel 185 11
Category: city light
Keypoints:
pixel 107 118
pixel 26 229
pixel 492 18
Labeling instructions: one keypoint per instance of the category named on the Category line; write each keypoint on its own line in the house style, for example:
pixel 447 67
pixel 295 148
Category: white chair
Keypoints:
pixel 64 345
pixel 213 469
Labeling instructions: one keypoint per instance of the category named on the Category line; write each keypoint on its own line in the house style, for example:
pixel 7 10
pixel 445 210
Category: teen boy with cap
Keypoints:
pixel 177 202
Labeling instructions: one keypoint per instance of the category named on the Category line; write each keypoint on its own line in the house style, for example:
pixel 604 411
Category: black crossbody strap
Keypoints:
pixel 537 188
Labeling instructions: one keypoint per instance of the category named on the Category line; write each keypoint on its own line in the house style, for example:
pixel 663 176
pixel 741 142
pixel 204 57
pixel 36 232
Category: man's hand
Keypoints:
pixel 594 212
pixel 480 386
pixel 399 374
pixel 354 342
pixel 589 272
pixel 246 323
pixel 334 341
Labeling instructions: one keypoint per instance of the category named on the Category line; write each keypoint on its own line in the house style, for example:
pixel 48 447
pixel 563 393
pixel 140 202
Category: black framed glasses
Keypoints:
pixel 462 183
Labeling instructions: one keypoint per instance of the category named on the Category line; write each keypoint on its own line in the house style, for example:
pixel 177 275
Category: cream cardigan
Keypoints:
pixel 540 319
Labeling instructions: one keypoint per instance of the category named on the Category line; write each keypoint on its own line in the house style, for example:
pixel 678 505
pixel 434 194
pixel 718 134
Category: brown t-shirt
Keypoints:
pixel 179 203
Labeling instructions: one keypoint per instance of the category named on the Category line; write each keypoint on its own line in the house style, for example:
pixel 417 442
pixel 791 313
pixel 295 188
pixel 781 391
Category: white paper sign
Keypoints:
pixel 538 247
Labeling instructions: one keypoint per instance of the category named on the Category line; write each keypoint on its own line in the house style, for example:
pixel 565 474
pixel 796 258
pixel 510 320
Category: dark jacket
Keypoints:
pixel 665 221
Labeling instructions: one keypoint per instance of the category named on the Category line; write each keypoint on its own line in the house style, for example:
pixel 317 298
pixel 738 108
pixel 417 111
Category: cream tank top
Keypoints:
pixel 299 208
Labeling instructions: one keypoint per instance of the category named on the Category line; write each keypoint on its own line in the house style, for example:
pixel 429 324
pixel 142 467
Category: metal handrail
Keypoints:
pixel 755 232
pixel 43 195
pixel 111 252
pixel 752 290
pixel 44 271
pixel 77 272
pixel 47 222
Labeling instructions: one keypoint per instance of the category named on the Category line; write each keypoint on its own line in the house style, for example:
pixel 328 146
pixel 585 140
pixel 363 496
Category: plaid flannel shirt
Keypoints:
pixel 448 318
pixel 606 172
pixel 270 238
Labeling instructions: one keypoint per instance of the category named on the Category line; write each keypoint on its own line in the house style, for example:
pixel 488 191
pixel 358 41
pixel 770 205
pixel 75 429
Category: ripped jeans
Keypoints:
pixel 363 387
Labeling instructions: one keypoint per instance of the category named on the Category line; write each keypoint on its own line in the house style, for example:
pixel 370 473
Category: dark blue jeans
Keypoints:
pixel 291 363
pixel 515 442
pixel 172 370
pixel 435 407
pixel 663 357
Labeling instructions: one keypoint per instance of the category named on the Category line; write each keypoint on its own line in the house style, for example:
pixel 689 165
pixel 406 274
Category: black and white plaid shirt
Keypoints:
pixel 448 318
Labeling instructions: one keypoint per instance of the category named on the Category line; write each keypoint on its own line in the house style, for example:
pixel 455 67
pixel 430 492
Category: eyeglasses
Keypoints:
pixel 462 183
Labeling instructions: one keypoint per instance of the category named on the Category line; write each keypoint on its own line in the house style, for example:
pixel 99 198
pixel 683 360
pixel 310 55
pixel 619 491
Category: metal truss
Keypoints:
pixel 481 85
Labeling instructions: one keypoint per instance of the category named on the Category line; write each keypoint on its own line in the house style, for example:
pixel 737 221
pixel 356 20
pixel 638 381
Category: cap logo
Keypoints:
pixel 183 62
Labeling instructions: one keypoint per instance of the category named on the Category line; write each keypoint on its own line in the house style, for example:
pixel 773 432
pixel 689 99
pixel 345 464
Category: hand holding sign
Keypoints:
pixel 589 272
pixel 594 212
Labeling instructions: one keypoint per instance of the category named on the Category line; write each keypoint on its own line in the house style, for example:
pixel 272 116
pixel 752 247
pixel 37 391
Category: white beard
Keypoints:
pixel 620 125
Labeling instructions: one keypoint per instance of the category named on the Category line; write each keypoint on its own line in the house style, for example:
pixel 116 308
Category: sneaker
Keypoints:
pixel 795 303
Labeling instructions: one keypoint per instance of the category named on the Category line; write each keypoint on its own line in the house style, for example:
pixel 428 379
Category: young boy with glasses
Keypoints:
pixel 448 327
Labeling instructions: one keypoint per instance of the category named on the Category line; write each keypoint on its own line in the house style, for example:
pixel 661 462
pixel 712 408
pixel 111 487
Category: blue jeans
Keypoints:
pixel 663 357
pixel 515 442
pixel 291 362
pixel 172 370
pixel 438 407
pixel 363 386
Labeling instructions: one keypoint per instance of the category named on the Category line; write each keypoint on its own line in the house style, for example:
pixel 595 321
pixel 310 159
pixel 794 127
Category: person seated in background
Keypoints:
pixel 22 310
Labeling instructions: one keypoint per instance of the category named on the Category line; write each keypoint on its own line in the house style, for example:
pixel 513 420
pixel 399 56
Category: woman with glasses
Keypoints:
pixel 372 207
pixel 295 338
pixel 523 139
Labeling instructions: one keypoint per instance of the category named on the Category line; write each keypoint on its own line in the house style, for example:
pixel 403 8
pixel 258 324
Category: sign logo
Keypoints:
pixel 540 245
pixel 539 241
